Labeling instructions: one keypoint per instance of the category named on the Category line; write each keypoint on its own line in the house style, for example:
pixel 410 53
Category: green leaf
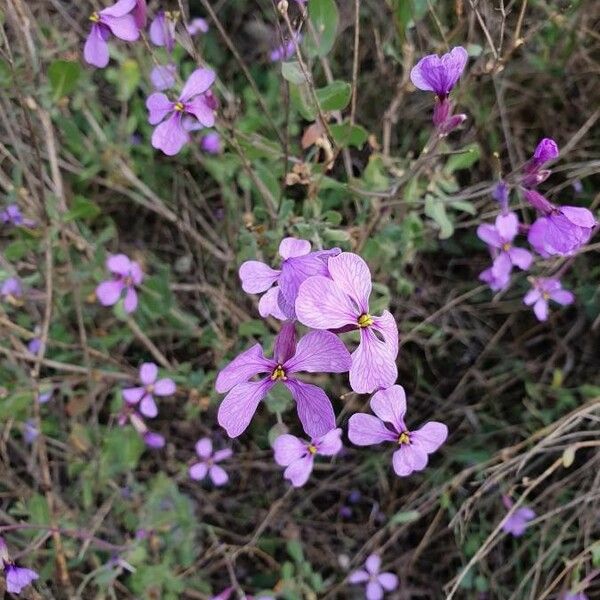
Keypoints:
pixel 407 516
pixel 294 549
pixel 82 208
pixel 292 72
pixel 126 78
pixel 334 96
pixel 346 134
pixel 324 16
pixel 63 76
pixel 466 158
pixel 436 209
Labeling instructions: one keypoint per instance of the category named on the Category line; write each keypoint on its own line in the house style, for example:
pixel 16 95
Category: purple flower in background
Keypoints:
pixel 144 396
pixel 153 440
pixel 196 26
pixel 499 238
pixel 12 215
pixel 561 229
pixel 211 143
pixel 518 521
pixel 34 345
pixel 342 302
pixel 281 285
pixel 298 456
pixel 496 281
pixel 17 577
pixel 140 13
pixel 30 431
pixel 500 194
pixel 207 465
pixel 285 50
pixel 117 20
pixel 377 583
pixel 545 289
pixel 533 173
pixel 575 596
pixel 162 29
pixel 163 77
pixel 45 397
pixel 388 426
pixel 170 135
pixel 439 74
pixel 316 352
pixel 127 274
pixel 12 291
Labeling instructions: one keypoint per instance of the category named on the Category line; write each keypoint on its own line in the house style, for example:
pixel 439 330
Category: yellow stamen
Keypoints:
pixel 150 388
pixel 365 320
pixel 278 373
pixel 179 106
pixel 172 15
pixel 546 296
pixel 94 17
pixel 404 438
pixel 506 247
pixel 312 449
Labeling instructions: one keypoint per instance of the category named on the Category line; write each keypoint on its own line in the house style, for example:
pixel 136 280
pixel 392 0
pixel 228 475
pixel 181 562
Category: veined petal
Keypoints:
pixel 352 274
pixel 244 366
pixel 201 110
pixel 373 364
pixel 320 352
pixel 269 306
pixel 290 247
pixel 367 430
pixel 387 326
pixel 314 407
pixel 288 448
pixel 95 50
pixel 170 136
pixel 579 216
pixel 409 458
pixel 390 406
pixel 159 106
pixel 240 404
pixel 322 304
pixel 299 471
pixel 125 27
pixel 119 9
pixel 197 83
pixel 330 443
pixel 257 277
pixel 297 269
pixel 285 343
pixel 429 437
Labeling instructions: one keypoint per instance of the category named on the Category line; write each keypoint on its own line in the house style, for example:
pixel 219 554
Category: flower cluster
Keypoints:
pixel 329 292
pixel 557 231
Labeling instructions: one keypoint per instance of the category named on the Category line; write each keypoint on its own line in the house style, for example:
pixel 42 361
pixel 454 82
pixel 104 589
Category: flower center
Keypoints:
pixel 545 296
pixel 404 438
pixel 128 281
pixel 365 320
pixel 172 15
pixel 278 373
pixel 312 449
pixel 179 107
pixel 506 247
pixel 150 388
pixel 95 17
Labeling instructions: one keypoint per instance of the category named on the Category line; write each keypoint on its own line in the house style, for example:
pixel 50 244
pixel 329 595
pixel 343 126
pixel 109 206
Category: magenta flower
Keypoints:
pixel 561 229
pixel 127 274
pixel 163 77
pixel 170 135
pixel 546 150
pixel 285 50
pixel 298 456
pixel 342 302
pixel 439 74
pixel 497 281
pixel 140 13
pixel 117 20
pixel 377 583
pixel 12 291
pixel 18 578
pixel 388 426
pixel 545 289
pixel 575 596
pixel 144 396
pixel 196 26
pixel 162 29
pixel 281 285
pixel 533 173
pixel 316 352
pixel 211 143
pixel 499 238
pixel 518 521
pixel 207 464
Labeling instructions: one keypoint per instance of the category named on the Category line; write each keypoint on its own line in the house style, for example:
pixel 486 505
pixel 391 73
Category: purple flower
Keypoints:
pixel 342 302
pixel 560 230
pixel 500 194
pixel 444 119
pixel 127 274
pixel 376 582
pixel 388 426
pixel 211 143
pixel 499 238
pixel 439 75
pixel 12 215
pixel 533 173
pixel 299 455
pixel 117 20
pixel 162 29
pixel 144 396
pixel 285 50
pixel 517 522
pixel 140 13
pixel 281 285
pixel 170 135
pixel 545 289
pixel 153 440
pixel 45 397
pixel 17 577
pixel 575 596
pixel 496 281
pixel 163 77
pixel 316 352
pixel 546 150
pixel 197 25
pixel 34 345
pixel 12 291
pixel 207 465
pixel 30 431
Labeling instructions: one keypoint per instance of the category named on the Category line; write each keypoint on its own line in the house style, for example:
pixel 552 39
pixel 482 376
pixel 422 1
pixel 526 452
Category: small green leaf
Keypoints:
pixel 407 516
pixel 436 209
pixel 294 549
pixel 292 72
pixel 82 208
pixel 334 96
pixel 346 134
pixel 63 76
pixel 466 158
pixel 324 16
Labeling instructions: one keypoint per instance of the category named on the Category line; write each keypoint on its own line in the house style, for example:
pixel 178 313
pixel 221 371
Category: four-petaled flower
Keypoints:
pixel 316 352
pixel 171 135
pixel 500 239
pixel 281 285
pixel 439 74
pixel 342 302
pixel 376 582
pixel 207 465
pixel 388 426
pixel 127 274
pixel 298 455
pixel 545 289
pixel 144 396
pixel 118 19
pixel 517 523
